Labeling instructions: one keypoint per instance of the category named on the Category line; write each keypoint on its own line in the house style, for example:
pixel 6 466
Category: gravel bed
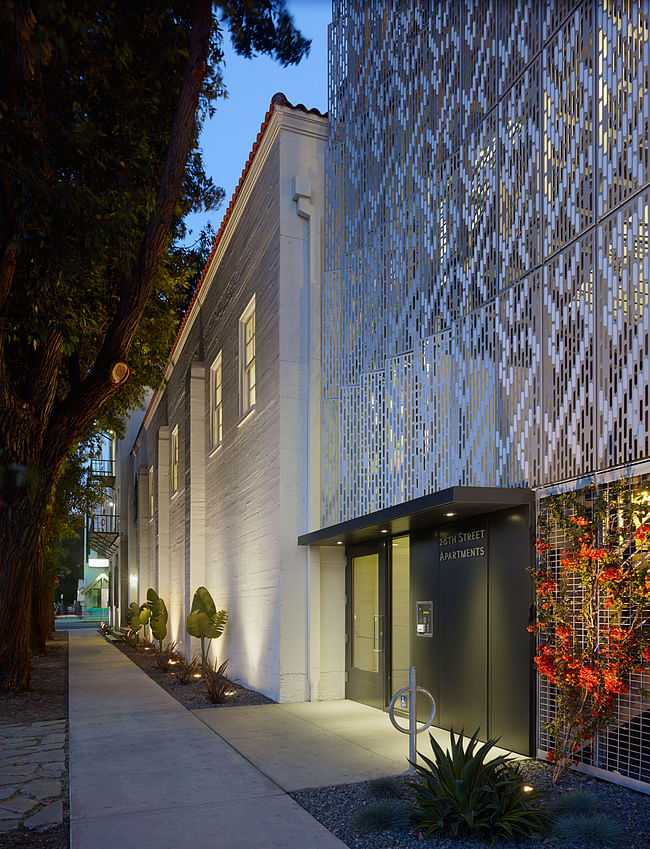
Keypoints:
pixel 335 807
pixel 191 695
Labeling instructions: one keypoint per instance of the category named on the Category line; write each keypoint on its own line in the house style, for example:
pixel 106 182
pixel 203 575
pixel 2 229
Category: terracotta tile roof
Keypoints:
pixel 278 99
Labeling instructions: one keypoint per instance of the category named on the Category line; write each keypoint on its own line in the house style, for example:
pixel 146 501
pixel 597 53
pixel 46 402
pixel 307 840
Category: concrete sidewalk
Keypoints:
pixel 146 772
pixel 314 744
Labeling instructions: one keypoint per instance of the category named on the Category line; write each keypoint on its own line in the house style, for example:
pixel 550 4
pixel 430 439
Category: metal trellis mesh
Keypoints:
pixel 623 748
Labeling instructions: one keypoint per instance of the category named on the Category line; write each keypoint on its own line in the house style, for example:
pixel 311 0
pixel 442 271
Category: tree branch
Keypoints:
pixel 44 382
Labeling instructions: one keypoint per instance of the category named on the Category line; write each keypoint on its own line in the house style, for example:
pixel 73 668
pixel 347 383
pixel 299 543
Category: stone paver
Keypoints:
pixel 51 814
pixel 44 788
pixel 19 803
pixel 32 774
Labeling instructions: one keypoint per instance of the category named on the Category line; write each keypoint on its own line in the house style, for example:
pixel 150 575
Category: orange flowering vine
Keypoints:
pixel 585 592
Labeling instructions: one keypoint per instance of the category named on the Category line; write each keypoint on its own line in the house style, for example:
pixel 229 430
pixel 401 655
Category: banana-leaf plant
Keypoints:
pixel 205 621
pixel 159 616
pixel 137 615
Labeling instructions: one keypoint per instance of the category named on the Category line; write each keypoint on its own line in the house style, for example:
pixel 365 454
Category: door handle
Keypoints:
pixel 374 632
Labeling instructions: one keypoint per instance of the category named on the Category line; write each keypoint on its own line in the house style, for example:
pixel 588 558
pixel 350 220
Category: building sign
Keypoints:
pixel 466 544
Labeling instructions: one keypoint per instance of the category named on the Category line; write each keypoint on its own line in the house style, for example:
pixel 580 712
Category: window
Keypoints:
pixel 150 492
pixel 174 452
pixel 247 358
pixel 216 408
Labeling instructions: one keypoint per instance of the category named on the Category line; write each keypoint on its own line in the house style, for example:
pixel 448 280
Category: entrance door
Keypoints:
pixel 366 625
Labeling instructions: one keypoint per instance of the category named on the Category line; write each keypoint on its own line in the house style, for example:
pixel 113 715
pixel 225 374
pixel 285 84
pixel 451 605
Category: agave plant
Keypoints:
pixel 159 616
pixel 137 616
pixel 205 621
pixel 464 792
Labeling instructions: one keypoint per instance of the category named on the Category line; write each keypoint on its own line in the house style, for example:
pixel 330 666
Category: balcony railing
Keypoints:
pixel 103 470
pixel 104 524
pixel 103 533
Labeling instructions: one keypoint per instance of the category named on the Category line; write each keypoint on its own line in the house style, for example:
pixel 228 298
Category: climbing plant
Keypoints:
pixel 592 622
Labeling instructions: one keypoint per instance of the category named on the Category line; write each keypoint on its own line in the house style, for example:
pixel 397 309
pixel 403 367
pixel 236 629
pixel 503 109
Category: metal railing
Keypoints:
pixel 100 523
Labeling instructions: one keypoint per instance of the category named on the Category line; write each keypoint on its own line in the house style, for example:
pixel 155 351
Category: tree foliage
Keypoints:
pixel 101 105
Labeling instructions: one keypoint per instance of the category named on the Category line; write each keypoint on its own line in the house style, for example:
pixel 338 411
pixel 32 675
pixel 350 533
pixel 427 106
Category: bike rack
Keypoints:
pixel 413 729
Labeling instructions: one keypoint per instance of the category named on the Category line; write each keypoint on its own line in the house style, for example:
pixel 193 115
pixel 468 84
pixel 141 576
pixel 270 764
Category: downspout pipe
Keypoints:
pixel 306 210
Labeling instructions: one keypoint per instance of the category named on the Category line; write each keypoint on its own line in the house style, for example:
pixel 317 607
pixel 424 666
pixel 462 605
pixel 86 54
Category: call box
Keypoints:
pixel 424 618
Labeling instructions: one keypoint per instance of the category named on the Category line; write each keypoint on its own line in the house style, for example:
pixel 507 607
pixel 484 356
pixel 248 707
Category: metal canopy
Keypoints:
pixel 426 512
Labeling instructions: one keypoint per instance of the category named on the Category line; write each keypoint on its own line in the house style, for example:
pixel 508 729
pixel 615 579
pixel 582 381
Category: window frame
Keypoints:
pixel 247 353
pixel 216 402
pixel 151 494
pixel 173 455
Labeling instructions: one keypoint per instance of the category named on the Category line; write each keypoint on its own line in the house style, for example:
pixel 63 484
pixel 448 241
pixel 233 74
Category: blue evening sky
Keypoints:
pixel 228 138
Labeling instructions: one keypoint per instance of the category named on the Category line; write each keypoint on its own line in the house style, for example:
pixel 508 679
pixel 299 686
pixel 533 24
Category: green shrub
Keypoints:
pixel 383 787
pixel 574 802
pixel 205 621
pixel 463 793
pixel 594 830
pixel 380 816
pixel 137 616
pixel 158 616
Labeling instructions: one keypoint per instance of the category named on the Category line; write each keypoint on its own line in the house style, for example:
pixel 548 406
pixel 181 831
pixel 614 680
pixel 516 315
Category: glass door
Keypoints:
pixel 366 625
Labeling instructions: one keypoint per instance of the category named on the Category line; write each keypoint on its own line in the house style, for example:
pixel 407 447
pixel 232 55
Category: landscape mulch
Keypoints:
pixel 46 700
pixel 191 695
pixel 336 807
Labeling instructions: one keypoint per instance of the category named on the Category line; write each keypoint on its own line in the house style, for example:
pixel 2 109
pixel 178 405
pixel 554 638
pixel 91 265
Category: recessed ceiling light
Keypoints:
pixel 449 515
pixel 339 542
pixel 384 531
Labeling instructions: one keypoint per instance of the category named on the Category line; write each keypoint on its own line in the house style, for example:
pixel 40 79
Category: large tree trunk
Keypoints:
pixel 21 517
pixel 42 603
pixel 39 422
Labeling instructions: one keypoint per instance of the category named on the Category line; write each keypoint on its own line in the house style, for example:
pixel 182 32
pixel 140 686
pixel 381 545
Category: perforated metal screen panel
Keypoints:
pixel 485 297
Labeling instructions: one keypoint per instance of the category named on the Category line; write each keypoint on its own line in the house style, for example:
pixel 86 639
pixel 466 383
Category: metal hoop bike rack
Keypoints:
pixel 413 729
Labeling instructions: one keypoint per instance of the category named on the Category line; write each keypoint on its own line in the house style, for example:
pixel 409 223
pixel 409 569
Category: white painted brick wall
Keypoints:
pixel 234 523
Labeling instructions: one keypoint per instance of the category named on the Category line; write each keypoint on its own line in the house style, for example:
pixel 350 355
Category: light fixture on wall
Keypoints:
pixel 450 515
pixel 339 542
pixel 384 531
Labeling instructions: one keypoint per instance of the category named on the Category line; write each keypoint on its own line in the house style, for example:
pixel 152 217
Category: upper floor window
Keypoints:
pixel 247 358
pixel 216 404
pixel 151 492
pixel 174 458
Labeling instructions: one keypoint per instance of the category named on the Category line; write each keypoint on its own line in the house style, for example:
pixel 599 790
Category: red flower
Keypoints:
pixel 642 532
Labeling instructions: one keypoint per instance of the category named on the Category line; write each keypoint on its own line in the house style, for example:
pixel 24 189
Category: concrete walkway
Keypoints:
pixel 144 771
pixel 314 744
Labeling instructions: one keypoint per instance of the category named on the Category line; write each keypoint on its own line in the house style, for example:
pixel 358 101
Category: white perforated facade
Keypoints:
pixel 486 291
pixel 486 294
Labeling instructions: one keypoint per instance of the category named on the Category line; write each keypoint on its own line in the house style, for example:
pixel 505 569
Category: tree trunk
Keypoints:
pixel 42 605
pixel 21 518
